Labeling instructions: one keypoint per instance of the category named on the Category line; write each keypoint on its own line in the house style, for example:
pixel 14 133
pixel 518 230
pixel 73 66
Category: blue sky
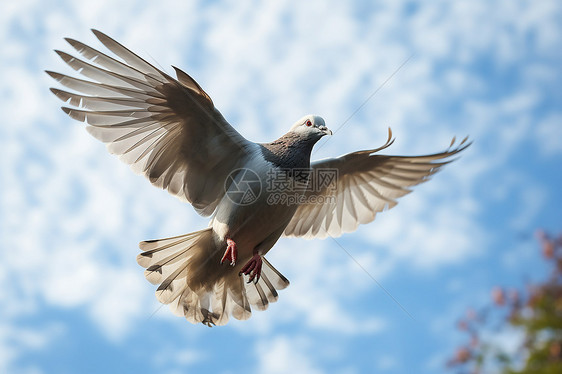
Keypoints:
pixel 73 298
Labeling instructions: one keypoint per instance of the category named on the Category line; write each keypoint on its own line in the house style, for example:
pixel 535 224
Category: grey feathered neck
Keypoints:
pixel 289 151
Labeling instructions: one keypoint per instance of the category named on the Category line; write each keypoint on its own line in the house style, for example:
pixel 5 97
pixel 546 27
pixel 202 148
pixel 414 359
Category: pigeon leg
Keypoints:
pixel 253 268
pixel 230 253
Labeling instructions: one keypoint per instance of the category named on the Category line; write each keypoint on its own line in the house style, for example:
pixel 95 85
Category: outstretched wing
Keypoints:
pixel 350 190
pixel 167 129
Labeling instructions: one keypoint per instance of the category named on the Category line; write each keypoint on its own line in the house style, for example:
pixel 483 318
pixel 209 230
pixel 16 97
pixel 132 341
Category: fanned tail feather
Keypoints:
pixel 195 285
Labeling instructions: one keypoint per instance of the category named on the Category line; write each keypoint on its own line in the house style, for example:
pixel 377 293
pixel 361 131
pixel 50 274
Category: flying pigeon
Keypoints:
pixel 169 130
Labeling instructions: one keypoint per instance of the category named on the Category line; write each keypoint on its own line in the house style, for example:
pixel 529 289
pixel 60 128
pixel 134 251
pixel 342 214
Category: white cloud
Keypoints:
pixel 386 363
pixel 118 306
pixel 72 277
pixel 548 134
pixel 15 340
pixel 428 235
pixel 283 354
pixel 173 357
pixel 528 205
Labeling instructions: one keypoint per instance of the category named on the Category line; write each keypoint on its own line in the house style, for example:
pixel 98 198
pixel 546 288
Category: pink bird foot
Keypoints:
pixel 230 253
pixel 253 268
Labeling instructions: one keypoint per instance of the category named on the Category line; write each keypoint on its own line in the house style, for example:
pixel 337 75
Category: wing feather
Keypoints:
pixel 165 128
pixel 367 183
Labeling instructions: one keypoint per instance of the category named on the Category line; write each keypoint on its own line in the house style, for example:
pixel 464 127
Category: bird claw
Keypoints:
pixel 253 268
pixel 230 253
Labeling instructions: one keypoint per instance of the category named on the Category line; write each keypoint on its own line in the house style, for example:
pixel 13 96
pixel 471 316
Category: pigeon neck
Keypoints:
pixel 289 151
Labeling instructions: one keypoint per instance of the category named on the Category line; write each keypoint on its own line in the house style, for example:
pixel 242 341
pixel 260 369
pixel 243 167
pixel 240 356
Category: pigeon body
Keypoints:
pixel 169 130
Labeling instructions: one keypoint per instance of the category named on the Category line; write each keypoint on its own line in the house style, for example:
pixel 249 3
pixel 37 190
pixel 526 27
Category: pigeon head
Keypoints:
pixel 311 126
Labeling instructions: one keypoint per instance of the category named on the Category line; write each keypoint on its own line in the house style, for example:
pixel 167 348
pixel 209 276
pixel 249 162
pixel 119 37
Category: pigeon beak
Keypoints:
pixel 326 130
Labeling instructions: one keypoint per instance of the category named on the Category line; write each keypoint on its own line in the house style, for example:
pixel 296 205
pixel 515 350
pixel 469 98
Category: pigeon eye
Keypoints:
pixel 308 123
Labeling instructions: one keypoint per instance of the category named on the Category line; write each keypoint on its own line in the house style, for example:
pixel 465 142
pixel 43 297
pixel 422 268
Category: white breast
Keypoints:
pixel 251 210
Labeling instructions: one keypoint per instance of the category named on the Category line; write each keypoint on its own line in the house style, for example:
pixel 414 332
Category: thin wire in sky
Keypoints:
pixel 368 99
pixel 373 278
